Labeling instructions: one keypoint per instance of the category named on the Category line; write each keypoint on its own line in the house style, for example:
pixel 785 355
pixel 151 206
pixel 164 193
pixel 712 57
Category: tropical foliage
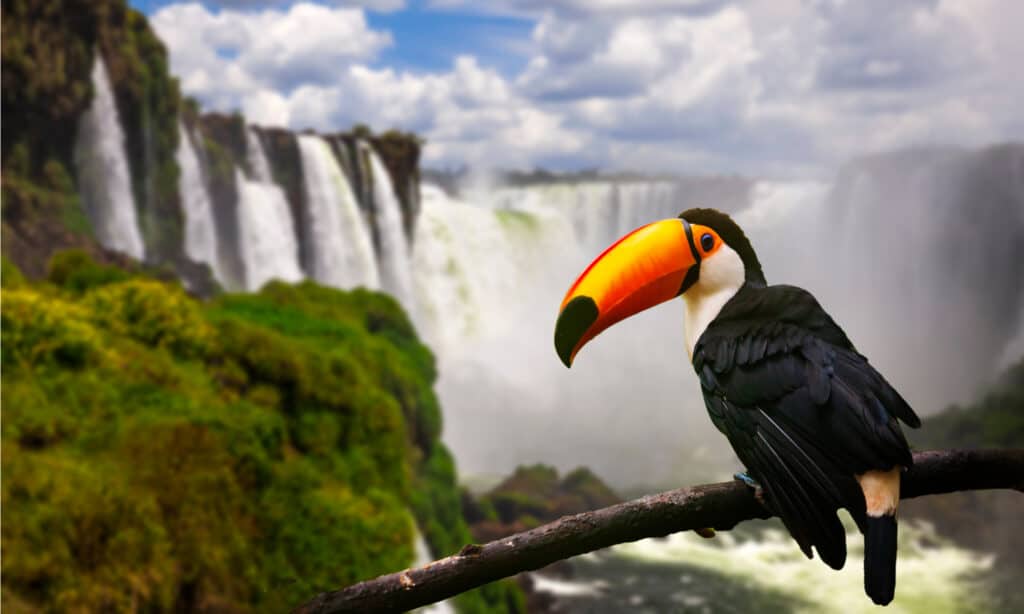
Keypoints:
pixel 239 455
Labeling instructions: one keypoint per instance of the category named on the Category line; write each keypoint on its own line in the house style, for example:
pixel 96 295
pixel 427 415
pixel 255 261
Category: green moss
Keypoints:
pixel 535 494
pixel 76 271
pixel 153 313
pixel 994 420
pixel 42 330
pixel 10 274
pixel 517 220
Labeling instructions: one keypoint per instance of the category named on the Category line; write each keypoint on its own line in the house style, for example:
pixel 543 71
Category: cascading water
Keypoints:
pixel 256 157
pixel 394 248
pixel 266 233
pixel 200 229
pixel 887 251
pixel 423 556
pixel 102 169
pixel 490 279
pixel 599 211
pixel 468 260
pixel 764 572
pixel 341 251
pixel 934 323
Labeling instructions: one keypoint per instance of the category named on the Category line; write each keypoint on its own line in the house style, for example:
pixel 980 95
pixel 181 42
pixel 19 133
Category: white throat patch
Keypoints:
pixel 721 276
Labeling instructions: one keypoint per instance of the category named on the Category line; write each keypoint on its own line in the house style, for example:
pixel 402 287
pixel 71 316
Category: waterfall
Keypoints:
pixel 341 249
pixel 102 168
pixel 745 571
pixel 200 230
pixel 423 556
pixel 266 233
pixel 599 211
pixel 257 159
pixel 887 248
pixel 490 273
pixel 468 260
pixel 394 248
pixel 888 253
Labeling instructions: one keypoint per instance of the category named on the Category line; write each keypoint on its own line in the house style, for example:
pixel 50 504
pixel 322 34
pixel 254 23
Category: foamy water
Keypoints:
pixel 685 572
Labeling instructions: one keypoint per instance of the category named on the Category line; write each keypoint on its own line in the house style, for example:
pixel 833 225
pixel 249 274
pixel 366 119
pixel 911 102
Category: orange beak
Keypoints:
pixel 653 264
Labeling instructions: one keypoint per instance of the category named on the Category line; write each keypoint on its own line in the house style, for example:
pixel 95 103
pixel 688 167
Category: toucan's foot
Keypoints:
pixel 746 479
pixel 751 482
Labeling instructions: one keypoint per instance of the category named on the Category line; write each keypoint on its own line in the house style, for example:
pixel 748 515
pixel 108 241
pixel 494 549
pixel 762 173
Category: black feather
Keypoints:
pixel 880 558
pixel 804 411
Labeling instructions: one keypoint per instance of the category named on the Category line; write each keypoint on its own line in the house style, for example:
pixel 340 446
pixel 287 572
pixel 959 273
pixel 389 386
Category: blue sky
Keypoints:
pixel 765 87
pixel 425 38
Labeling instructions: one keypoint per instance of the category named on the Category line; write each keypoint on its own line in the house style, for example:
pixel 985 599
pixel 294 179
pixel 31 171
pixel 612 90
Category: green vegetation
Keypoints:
pixel 240 455
pixel 987 521
pixel 518 220
pixel 996 420
pixel 534 494
pixel 48 52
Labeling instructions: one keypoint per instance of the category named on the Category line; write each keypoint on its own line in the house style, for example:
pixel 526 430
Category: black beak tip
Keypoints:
pixel 573 322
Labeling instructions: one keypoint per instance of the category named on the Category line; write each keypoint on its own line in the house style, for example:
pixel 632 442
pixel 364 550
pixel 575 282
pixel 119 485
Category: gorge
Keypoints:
pixel 917 253
pixel 480 272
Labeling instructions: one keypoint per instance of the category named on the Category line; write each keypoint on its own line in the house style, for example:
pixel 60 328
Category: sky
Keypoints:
pixel 780 88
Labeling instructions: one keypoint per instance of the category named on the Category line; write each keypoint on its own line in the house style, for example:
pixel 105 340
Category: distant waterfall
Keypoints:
pixel 102 167
pixel 888 248
pixel 469 260
pixel 266 233
pixel 599 211
pixel 256 157
pixel 200 229
pixel 342 251
pixel 394 247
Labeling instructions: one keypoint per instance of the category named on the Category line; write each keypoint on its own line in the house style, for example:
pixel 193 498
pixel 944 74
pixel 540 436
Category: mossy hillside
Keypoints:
pixel 241 455
pixel 148 101
pixel 49 48
pixel 46 61
pixel 987 521
pixel 995 420
pixel 533 495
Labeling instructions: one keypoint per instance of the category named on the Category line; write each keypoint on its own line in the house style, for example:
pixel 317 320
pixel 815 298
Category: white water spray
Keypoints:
pixel 423 557
pixel 200 229
pixel 394 248
pixel 256 157
pixel 341 249
pixel 266 233
pixel 103 176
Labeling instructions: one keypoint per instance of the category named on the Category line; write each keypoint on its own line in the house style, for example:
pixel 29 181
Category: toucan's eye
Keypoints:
pixel 707 241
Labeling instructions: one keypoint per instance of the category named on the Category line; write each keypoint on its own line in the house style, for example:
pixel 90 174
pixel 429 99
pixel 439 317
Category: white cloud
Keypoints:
pixel 227 57
pixel 765 86
pixel 373 5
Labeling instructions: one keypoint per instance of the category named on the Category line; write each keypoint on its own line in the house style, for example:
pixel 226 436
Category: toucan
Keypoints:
pixel 816 426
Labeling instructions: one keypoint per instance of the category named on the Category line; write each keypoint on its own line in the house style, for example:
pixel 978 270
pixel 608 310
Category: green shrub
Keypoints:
pixel 153 313
pixel 243 454
pixel 75 270
pixel 10 274
pixel 40 330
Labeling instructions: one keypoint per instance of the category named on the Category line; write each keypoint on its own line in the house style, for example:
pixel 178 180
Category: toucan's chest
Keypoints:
pixel 701 311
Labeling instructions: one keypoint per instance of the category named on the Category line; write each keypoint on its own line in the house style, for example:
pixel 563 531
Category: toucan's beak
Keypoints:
pixel 649 266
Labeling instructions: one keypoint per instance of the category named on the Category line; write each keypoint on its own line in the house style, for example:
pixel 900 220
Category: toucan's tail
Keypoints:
pixel 880 558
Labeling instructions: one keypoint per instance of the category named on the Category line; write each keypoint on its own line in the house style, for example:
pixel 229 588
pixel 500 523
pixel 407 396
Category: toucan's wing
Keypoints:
pixel 802 409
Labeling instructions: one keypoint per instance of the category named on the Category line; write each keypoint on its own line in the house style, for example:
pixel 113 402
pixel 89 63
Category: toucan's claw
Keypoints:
pixel 751 482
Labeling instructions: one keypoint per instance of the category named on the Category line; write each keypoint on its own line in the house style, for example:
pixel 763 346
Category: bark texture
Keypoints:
pixel 720 506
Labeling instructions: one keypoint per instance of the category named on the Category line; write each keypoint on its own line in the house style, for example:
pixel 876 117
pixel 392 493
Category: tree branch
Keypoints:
pixel 720 506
